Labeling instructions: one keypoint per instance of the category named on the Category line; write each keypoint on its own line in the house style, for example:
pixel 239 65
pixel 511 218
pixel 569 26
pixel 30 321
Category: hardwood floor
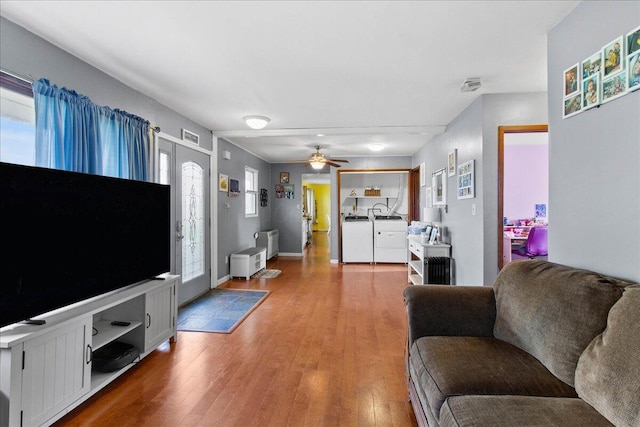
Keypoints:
pixel 324 349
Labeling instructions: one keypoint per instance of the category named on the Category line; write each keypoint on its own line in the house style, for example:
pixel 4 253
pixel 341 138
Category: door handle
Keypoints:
pixel 179 235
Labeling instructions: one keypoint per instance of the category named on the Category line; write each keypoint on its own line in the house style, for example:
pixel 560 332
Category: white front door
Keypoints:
pixel 188 173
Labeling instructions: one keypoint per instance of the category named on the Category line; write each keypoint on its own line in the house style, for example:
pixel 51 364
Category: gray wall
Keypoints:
pixel 286 214
pixel 235 231
pixel 594 157
pixel 26 54
pixel 474 133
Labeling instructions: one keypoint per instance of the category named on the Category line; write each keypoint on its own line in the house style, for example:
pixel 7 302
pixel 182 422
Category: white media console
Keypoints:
pixel 45 370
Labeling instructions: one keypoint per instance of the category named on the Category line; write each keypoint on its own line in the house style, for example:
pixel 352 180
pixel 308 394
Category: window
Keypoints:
pixel 250 192
pixel 17 121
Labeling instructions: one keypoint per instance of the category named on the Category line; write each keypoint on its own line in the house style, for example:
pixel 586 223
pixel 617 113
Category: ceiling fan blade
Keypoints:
pixel 337 160
pixel 332 164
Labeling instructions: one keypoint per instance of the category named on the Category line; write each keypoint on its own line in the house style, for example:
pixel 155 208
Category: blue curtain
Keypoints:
pixel 74 134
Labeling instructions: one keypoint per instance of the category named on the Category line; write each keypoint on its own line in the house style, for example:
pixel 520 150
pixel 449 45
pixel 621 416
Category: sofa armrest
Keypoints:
pixel 436 310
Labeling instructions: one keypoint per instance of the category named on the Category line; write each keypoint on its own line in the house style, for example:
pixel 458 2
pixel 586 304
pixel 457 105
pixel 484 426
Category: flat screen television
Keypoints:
pixel 70 236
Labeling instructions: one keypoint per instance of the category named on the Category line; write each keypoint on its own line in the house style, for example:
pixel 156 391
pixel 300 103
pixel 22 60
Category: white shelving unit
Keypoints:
pixel 421 251
pixel 36 360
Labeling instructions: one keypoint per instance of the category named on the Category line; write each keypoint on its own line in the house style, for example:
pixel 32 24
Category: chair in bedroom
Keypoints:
pixel 535 246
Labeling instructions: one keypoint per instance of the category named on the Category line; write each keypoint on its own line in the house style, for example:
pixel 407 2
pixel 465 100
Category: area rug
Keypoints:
pixel 266 274
pixel 219 310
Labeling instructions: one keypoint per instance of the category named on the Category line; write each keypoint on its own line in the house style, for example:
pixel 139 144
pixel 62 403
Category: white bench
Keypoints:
pixel 248 262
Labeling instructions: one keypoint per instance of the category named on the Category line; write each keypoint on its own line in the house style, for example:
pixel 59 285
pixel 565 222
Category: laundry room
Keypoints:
pixel 374 215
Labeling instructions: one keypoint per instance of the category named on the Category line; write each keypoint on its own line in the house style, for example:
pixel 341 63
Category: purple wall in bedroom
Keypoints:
pixel 526 174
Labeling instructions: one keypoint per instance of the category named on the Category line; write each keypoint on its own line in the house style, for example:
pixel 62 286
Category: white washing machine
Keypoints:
pixel 357 239
pixel 389 239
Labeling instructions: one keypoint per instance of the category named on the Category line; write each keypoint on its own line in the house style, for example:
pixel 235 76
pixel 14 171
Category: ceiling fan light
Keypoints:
pixel 257 122
pixel 376 147
pixel 316 164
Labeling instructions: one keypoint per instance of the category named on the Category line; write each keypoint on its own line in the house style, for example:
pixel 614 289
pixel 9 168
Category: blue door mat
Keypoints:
pixel 219 310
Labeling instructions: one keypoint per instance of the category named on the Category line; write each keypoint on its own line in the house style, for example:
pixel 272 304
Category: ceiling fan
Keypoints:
pixel 317 160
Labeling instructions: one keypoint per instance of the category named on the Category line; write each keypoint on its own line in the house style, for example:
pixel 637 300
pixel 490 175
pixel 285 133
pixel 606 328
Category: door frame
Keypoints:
pixel 213 191
pixel 502 130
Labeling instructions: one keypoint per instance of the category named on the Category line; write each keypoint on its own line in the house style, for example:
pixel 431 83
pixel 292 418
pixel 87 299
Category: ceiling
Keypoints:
pixel 357 72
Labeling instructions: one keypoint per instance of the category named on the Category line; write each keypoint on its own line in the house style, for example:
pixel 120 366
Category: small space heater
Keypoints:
pixel 437 270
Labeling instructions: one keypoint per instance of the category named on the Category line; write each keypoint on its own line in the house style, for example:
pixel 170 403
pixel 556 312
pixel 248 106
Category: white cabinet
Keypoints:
pixel 160 316
pixel 45 370
pixel 419 256
pixel 56 371
pixel 248 262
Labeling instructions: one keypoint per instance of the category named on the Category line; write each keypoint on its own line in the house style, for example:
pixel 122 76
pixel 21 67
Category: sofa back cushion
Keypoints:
pixel 553 311
pixel 608 372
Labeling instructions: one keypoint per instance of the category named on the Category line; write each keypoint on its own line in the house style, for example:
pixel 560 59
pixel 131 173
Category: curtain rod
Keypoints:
pixel 155 129
pixel 18 76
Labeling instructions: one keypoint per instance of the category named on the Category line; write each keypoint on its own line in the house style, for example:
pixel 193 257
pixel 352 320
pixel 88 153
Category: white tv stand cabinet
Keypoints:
pixel 45 370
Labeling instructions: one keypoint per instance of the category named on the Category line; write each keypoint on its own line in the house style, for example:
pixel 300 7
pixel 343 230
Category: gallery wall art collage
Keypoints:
pixel 606 75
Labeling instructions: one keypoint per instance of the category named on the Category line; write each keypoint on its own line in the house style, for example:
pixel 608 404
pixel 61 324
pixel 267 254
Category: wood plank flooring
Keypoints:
pixel 324 349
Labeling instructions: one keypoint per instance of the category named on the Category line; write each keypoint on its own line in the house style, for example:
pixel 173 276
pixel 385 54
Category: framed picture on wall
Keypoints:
pixel 234 187
pixel 612 55
pixel 284 177
pixel 571 81
pixel 439 187
pixel 634 71
pixel 423 174
pixel 451 164
pixel 223 183
pixel 572 105
pixel 466 186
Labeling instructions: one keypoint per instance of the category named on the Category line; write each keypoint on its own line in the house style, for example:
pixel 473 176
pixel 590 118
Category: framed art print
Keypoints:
pixel 614 87
pixel 571 81
pixel 234 187
pixel 439 187
pixel 591 91
pixel 633 41
pixel 634 71
pixel 223 183
pixel 612 56
pixel 572 105
pixel 591 66
pixel 466 187
pixel 451 163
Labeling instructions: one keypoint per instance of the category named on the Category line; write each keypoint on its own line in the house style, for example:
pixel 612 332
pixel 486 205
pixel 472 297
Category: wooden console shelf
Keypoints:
pixel 46 370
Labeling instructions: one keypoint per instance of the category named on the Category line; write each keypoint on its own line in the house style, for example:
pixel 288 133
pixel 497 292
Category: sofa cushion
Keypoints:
pixel 452 366
pixel 509 411
pixel 608 372
pixel 552 311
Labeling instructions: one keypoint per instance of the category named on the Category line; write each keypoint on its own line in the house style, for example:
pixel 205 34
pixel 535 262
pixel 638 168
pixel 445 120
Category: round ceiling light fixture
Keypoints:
pixel 256 122
pixel 376 147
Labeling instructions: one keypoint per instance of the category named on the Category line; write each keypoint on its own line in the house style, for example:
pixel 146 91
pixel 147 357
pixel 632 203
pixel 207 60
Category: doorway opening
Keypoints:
pixel 523 184
pixel 316 207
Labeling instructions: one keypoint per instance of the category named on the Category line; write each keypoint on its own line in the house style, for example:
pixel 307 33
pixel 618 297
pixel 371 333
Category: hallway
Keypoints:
pixel 325 348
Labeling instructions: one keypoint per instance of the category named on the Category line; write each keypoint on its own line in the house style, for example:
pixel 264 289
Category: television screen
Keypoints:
pixel 71 236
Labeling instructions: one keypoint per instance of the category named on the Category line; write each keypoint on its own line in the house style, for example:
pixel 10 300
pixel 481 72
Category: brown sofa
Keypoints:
pixel 547 345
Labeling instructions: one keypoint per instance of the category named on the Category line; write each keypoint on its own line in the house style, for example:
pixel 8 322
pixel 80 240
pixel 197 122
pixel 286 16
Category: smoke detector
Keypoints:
pixel 471 84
